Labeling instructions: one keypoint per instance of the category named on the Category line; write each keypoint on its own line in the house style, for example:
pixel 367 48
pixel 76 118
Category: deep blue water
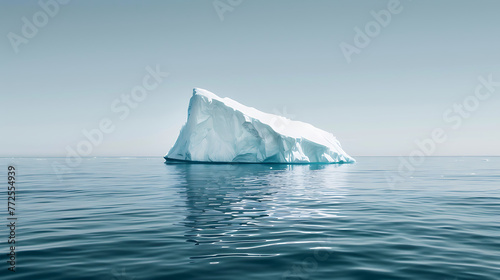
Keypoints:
pixel 138 218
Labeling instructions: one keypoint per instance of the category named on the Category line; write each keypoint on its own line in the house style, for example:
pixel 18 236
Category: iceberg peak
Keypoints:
pixel 223 130
pixel 206 93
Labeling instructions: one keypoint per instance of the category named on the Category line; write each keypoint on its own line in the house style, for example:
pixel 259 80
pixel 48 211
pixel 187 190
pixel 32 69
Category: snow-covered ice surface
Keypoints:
pixel 223 130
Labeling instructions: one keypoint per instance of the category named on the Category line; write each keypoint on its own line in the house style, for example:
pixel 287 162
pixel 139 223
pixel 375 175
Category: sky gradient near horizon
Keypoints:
pixel 282 57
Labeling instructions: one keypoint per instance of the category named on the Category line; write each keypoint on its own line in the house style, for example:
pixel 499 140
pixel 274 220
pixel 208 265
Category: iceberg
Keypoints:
pixel 221 130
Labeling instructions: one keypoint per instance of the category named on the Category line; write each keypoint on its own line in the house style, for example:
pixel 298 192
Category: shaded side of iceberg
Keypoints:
pixel 221 130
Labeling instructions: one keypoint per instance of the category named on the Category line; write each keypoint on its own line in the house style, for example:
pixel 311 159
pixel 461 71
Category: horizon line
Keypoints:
pixel 163 156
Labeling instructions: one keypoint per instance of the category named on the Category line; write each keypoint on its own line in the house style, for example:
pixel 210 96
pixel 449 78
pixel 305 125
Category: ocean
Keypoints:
pixel 139 218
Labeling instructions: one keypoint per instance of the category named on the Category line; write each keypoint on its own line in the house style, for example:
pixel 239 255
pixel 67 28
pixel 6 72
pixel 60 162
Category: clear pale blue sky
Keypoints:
pixel 279 56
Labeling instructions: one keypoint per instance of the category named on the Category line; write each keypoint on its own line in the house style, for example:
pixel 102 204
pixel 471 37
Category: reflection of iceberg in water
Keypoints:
pixel 223 200
pixel 230 207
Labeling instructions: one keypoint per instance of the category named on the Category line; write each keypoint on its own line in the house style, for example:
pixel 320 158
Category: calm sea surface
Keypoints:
pixel 138 218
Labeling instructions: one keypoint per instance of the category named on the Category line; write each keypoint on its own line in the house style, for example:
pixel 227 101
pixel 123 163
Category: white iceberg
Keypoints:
pixel 221 130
